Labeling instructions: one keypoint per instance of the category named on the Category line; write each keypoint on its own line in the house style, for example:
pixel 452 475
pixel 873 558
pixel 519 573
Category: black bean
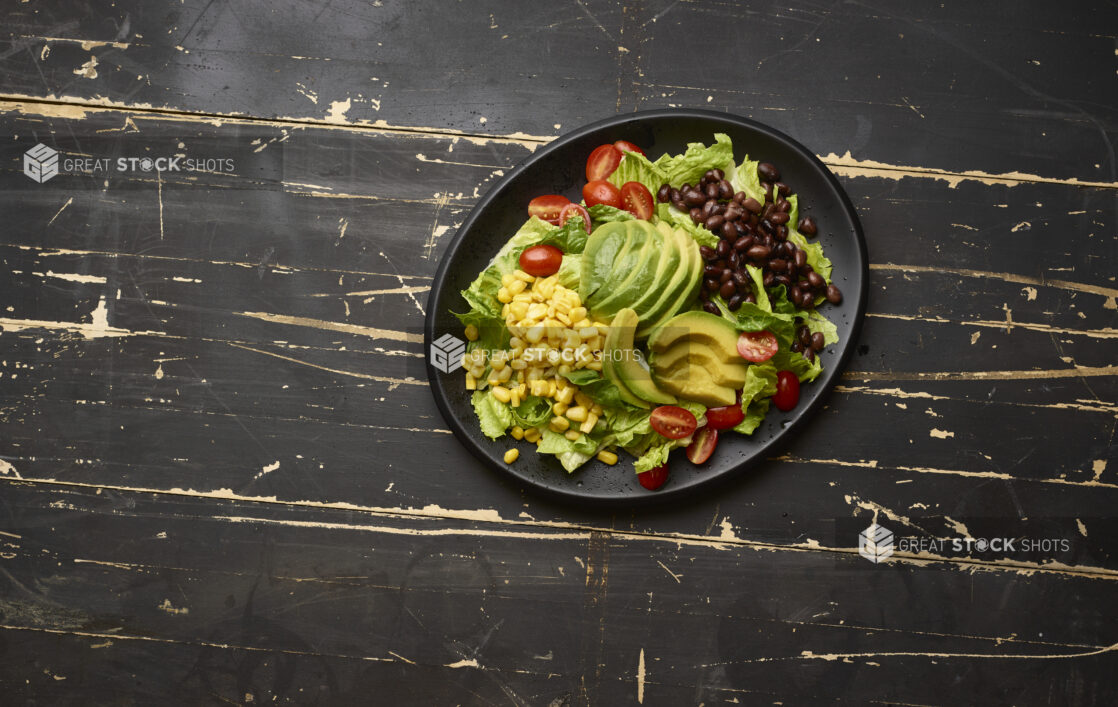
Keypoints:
pixel 807 300
pixel 794 293
pixel 768 278
pixel 781 233
pixel 735 303
pixel 725 190
pixel 758 252
pixel 800 258
pixel 711 284
pixel 711 191
pixel 779 217
pixel 736 260
pixel 711 307
pixel 809 355
pixel 767 226
pixel 709 175
pixel 704 296
pixel 721 262
pixel 708 208
pixel 729 230
pixel 797 346
pixel 790 268
pixel 719 209
pixel 767 211
pixel 807 226
pixel 694 197
pixel 751 298
pixel 679 204
pixel 664 194
pixel 743 244
pixel 733 213
pixel 751 205
pixel 741 279
pixel 817 342
pixel 740 197
pixel 768 189
pixel 675 196
pixel 707 252
pixel 778 264
pixel 711 270
pixel 725 276
pixel 834 295
pixel 783 189
pixel 803 335
pixel 723 249
pixel 782 280
pixel 714 222
pixel 728 289
pixel 816 280
pixel 768 172
pixel 696 214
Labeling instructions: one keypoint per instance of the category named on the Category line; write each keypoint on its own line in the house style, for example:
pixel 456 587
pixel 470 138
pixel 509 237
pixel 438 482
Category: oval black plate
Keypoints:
pixel 558 168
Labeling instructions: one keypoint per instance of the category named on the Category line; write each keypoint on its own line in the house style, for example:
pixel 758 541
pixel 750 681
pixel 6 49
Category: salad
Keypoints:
pixel 678 301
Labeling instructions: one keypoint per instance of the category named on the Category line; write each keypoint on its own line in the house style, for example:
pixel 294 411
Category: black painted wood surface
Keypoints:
pixel 224 479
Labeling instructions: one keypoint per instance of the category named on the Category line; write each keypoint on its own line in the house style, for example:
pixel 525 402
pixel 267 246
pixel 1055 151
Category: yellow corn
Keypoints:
pixel 514 397
pixel 572 435
pixel 559 424
pixel 577 413
pixel 516 287
pixel 518 310
pixel 559 408
pixel 501 393
pixel 512 455
pixel 517 432
pixel 471 332
pixel 521 275
pixel 582 399
pixel 534 334
pixel 503 295
pixel 607 457
pixel 577 313
pixel 588 426
pixel 565 396
pixel 532 435
pixel 471 382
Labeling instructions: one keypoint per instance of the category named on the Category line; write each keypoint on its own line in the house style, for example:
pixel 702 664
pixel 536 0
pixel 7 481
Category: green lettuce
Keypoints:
pixel 603 213
pixel 597 388
pixel 754 415
pixel 571 453
pixel 495 417
pixel 746 179
pixel 679 219
pixel 635 167
pixel 533 411
pixel 690 167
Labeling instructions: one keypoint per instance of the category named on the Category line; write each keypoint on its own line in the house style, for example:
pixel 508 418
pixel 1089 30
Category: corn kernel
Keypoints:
pixel 521 275
pixel 501 393
pixel 577 313
pixel 583 323
pixel 512 455
pixel 559 408
pixel 514 397
pixel 477 371
pixel 517 432
pixel 577 413
pixel 532 435
pixel 503 295
pixel 471 332
pixel 607 457
pixel 551 388
pixel 588 426
pixel 582 399
pixel 559 424
pixel 471 382
pixel 565 396
pixel 572 435
pixel 517 287
pixel 534 335
pixel 518 309
pixel 594 365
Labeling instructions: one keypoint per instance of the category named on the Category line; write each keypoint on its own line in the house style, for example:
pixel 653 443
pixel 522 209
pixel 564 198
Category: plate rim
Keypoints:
pixel 466 438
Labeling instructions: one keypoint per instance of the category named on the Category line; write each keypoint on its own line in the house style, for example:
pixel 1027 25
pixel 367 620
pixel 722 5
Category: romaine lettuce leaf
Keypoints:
pixel 746 179
pixel 571 454
pixel 598 389
pixel 690 167
pixel 495 417
pixel 603 213
pixel 533 411
pixel 635 167
pixel 754 415
pixel 679 219
pixel 817 322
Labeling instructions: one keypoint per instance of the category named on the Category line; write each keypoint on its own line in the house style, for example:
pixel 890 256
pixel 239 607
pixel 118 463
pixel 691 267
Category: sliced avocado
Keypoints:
pixel 683 288
pixel 675 364
pixel 612 344
pixel 626 287
pixel 701 328
pixel 667 271
pixel 625 365
pixel 603 247
pixel 700 387
pixel 637 249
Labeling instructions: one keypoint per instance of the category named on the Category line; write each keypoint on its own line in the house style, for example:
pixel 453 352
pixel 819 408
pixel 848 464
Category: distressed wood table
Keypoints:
pixel 223 476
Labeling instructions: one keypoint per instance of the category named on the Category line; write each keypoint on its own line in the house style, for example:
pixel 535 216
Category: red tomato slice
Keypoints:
pixel 637 200
pixel 703 445
pixel 626 146
pixel 653 478
pixel 602 161
pixel 547 207
pixel 541 260
pixel 573 209
pixel 599 191
pixel 724 418
pixel 757 346
pixel 787 391
pixel 673 422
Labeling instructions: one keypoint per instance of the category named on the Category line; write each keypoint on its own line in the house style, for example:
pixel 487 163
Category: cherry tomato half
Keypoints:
pixel 599 191
pixel 757 346
pixel 653 478
pixel 673 422
pixel 724 418
pixel 541 260
pixel 637 200
pixel 602 161
pixel 787 391
pixel 703 445
pixel 573 209
pixel 626 146
pixel 547 207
